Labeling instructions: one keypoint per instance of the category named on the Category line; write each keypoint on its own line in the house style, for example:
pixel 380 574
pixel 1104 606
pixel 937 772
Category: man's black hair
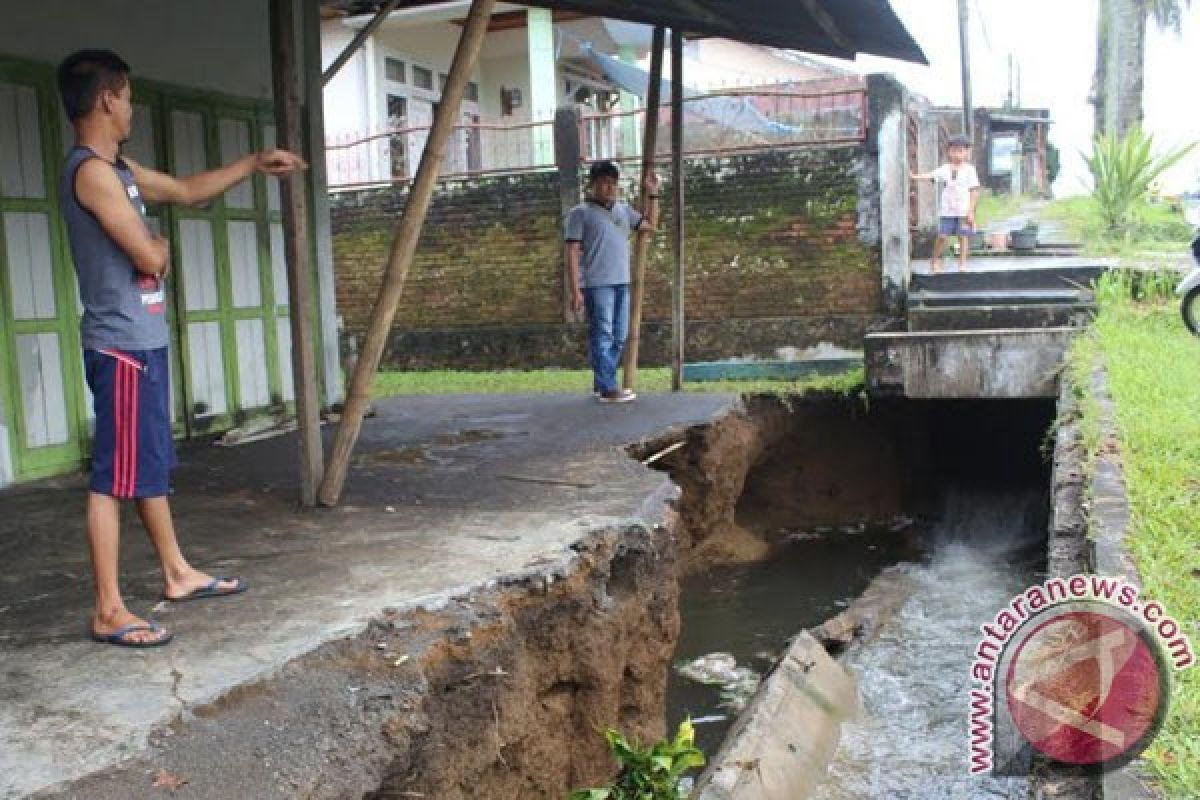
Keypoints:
pixel 84 74
pixel 958 140
pixel 603 169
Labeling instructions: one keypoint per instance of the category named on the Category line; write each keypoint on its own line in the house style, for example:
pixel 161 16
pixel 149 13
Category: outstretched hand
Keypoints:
pixel 278 163
pixel 651 183
pixel 162 242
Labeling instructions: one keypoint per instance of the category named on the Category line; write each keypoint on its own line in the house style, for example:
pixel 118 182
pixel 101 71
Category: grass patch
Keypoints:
pixel 1158 226
pixel 550 381
pixel 1153 370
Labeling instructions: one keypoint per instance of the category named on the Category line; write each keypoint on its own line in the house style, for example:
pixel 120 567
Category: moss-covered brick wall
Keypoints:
pixel 489 253
pixel 770 236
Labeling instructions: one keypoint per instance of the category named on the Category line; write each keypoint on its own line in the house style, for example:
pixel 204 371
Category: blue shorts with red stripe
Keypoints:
pixel 134 451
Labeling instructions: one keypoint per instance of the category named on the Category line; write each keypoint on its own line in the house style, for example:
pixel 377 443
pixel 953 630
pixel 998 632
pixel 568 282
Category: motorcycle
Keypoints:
pixel 1189 289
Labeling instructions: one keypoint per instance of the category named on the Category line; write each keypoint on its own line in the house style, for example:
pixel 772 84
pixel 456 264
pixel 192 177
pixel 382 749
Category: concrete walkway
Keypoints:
pixel 1051 233
pixel 990 263
pixel 447 493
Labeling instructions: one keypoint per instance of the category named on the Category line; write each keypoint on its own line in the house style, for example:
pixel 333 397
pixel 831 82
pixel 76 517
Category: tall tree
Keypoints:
pixel 1119 81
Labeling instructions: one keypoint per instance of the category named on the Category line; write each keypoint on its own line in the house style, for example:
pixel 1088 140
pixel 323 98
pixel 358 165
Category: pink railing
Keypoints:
pixel 725 121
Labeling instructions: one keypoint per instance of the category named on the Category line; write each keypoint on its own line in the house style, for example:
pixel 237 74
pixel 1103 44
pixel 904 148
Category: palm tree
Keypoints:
pixel 1121 52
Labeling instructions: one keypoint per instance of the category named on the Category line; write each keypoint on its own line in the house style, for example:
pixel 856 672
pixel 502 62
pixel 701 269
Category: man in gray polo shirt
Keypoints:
pixel 597 235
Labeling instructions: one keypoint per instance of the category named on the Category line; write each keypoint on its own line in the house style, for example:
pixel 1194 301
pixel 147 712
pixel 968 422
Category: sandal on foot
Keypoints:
pixel 120 637
pixel 212 590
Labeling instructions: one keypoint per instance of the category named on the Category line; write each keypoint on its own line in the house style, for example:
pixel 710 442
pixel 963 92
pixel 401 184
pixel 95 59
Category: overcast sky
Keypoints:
pixel 1054 41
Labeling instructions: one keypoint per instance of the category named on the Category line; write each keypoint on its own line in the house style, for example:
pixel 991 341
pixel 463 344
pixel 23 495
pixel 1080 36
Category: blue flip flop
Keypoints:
pixel 120 636
pixel 212 590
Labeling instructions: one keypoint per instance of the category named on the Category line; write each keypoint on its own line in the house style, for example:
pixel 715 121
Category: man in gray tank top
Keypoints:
pixel 122 266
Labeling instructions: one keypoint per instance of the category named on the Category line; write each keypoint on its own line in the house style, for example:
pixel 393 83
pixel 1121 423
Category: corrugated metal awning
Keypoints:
pixel 840 28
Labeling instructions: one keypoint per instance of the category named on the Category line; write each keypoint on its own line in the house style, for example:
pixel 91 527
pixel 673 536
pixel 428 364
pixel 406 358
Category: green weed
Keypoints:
pixel 649 773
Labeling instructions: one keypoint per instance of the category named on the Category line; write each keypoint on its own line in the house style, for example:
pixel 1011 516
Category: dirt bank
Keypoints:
pixel 498 695
pixel 782 464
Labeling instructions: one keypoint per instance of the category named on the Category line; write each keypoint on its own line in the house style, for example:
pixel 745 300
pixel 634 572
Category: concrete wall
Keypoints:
pixel 968 364
pixel 887 142
pixel 928 157
pixel 220 45
pixel 789 733
pixel 776 257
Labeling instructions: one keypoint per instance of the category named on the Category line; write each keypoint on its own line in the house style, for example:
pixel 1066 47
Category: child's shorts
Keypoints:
pixel 134 452
pixel 955 226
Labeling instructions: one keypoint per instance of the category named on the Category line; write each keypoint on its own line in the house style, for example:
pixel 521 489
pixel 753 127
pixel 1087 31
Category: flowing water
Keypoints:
pixel 911 742
pixel 752 611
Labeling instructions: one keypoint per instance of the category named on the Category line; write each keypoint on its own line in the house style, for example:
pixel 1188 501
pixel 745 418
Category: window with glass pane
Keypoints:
pixel 397 110
pixel 396 70
pixel 473 92
pixel 422 78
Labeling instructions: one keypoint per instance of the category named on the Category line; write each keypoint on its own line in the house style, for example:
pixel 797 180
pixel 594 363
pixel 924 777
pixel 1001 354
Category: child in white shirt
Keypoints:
pixel 960 196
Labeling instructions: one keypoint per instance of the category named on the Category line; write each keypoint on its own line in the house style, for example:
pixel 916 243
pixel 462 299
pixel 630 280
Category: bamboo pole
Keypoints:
pixel 289 123
pixel 642 245
pixel 404 246
pixel 677 230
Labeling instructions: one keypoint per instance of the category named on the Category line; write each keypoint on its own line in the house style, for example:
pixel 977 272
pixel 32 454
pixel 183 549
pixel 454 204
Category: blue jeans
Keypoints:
pixel 608 327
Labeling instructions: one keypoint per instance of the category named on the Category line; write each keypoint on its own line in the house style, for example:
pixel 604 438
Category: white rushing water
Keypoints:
pixel 911 743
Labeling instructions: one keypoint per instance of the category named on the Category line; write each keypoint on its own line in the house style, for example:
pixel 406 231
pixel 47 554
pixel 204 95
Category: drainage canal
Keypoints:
pixel 936 510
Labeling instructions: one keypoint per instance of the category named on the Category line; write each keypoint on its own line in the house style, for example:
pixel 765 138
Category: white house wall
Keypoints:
pixel 355 99
pixel 346 92
pixel 505 72
pixel 429 46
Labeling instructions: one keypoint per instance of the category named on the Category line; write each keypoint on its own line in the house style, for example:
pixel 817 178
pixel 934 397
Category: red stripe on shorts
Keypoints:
pixel 126 391
pixel 123 369
pixel 125 415
pixel 135 389
pixel 119 430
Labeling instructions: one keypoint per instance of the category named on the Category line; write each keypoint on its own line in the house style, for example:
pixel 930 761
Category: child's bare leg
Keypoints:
pixel 964 245
pixel 936 263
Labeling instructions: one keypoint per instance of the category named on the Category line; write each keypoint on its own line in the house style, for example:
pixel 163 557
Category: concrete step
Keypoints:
pixel 975 318
pixel 981 279
pixel 929 298
pixel 1000 363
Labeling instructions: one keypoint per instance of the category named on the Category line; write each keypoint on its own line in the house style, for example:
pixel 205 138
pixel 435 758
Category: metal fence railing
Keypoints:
pixel 724 121
pixel 734 120
pixel 392 155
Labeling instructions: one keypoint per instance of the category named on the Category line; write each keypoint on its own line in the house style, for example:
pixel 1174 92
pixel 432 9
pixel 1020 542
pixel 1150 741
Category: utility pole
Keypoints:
pixel 1010 82
pixel 965 53
pixel 1112 77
